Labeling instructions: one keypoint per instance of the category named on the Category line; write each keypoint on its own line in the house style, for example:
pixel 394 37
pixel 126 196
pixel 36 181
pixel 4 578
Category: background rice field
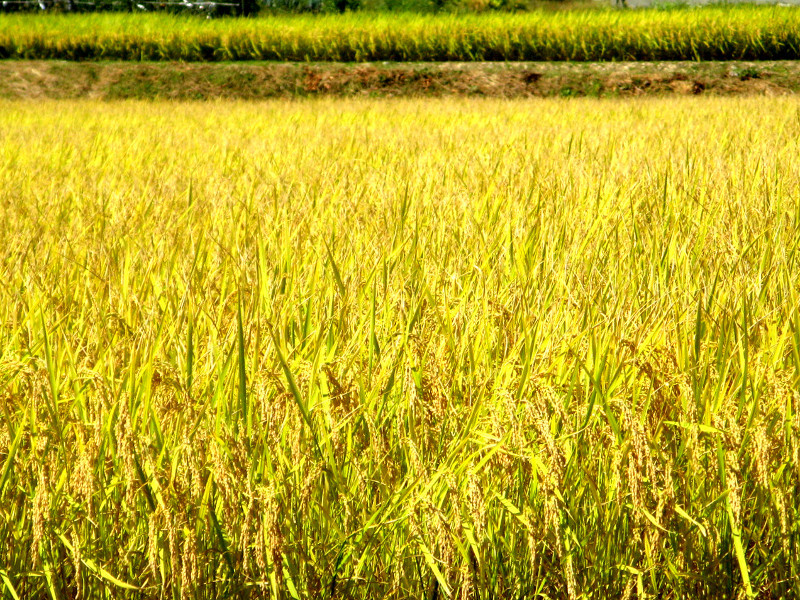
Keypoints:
pixel 463 349
pixel 710 33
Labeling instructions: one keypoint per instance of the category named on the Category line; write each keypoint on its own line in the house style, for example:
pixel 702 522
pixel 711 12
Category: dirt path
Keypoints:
pixel 55 79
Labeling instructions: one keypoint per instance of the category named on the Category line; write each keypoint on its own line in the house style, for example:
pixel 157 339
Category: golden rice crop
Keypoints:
pixel 370 349
pixel 711 33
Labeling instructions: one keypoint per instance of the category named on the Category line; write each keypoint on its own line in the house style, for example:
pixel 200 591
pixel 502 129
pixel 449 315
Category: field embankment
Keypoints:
pixel 712 33
pixel 255 81
pixel 445 349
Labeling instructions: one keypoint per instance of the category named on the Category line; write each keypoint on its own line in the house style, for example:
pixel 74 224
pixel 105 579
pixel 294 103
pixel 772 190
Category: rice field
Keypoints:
pixel 442 349
pixel 710 33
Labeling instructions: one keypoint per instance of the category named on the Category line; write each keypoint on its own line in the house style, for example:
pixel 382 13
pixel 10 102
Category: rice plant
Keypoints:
pixel 711 33
pixel 451 349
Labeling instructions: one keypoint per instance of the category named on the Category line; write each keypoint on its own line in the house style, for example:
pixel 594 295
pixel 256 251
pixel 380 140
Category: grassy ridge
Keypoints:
pixel 446 349
pixel 743 32
pixel 20 79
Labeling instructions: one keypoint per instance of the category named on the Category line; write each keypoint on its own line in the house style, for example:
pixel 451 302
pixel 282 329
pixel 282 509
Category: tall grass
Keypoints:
pixel 442 349
pixel 721 33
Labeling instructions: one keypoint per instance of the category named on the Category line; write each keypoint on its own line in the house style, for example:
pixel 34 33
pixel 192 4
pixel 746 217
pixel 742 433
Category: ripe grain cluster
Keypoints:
pixel 722 33
pixel 444 349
